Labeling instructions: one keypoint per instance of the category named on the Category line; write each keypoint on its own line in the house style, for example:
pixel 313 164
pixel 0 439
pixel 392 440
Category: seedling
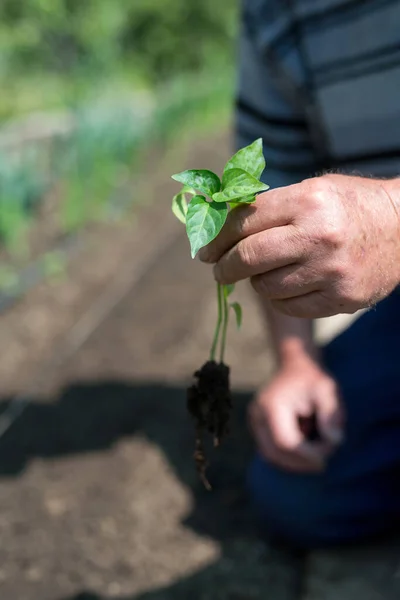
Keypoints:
pixel 203 205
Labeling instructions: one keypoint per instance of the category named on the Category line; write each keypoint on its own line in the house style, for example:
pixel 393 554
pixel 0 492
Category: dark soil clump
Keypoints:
pixel 209 402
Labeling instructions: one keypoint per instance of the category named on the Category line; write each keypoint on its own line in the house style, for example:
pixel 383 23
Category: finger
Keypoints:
pixel 329 413
pixel 312 305
pixel 286 282
pixel 258 254
pixel 274 208
pixel 284 460
pixel 267 448
pixel 288 437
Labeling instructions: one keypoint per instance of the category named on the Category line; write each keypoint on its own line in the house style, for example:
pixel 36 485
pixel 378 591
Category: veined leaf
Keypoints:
pixel 206 182
pixel 240 177
pixel 238 313
pixel 250 159
pixel 238 185
pixel 204 221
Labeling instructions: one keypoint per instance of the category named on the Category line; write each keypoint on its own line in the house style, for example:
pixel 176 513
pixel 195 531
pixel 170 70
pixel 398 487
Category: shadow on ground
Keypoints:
pixel 89 418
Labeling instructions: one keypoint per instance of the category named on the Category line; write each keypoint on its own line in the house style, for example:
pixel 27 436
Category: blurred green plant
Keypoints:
pixel 21 184
pixel 103 152
pixel 163 37
pixel 131 73
pixel 51 51
pixel 99 156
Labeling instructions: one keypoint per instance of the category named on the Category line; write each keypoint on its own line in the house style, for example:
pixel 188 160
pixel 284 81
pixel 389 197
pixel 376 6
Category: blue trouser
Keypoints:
pixel 359 493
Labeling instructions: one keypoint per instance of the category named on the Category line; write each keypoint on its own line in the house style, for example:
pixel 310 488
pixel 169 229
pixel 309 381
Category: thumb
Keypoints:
pixel 329 412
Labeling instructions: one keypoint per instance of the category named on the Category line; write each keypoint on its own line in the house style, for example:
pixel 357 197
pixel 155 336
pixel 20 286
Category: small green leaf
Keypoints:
pixel 246 200
pixel 206 182
pixel 204 221
pixel 238 313
pixel 188 190
pixel 238 185
pixel 228 289
pixel 240 177
pixel 250 159
pixel 179 207
pixel 180 202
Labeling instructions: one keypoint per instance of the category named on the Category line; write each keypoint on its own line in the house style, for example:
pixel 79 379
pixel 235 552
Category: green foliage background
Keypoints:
pixel 95 59
pixel 51 50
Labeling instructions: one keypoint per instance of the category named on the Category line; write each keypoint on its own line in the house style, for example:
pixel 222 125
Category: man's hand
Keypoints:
pixel 300 389
pixel 325 246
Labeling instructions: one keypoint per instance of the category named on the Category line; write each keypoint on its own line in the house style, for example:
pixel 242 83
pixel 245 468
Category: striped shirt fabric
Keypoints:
pixel 319 81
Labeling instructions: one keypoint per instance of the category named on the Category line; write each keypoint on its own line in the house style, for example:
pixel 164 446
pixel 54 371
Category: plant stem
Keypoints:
pixel 225 313
pixel 220 295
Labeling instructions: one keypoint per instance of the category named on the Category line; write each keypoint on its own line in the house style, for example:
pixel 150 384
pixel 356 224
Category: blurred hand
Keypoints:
pixel 297 392
pixel 325 246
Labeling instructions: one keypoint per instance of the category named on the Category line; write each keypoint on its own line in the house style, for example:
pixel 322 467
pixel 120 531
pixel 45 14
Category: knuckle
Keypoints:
pixel 316 190
pixel 322 217
pixel 321 187
pixel 336 271
pixel 328 386
pixel 283 445
pixel 246 254
pixel 332 232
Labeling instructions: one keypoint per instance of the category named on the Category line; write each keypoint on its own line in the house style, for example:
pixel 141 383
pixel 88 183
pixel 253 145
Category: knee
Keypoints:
pixel 287 505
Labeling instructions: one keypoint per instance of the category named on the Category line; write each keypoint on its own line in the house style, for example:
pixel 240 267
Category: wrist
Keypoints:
pixel 391 188
pixel 297 352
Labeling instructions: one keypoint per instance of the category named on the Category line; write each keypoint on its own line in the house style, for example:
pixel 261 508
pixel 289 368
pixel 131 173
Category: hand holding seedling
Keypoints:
pixel 212 199
pixel 325 246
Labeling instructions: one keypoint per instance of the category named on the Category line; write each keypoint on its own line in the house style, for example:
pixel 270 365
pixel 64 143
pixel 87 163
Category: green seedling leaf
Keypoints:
pixel 179 203
pixel 240 177
pixel 204 221
pixel 246 200
pixel 180 207
pixel 238 185
pixel 228 289
pixel 238 313
pixel 188 190
pixel 206 182
pixel 250 159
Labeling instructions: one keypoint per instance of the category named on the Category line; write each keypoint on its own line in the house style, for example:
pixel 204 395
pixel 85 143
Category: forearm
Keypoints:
pixel 293 338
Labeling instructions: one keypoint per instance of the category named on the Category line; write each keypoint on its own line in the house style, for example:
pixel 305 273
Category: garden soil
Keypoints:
pixel 99 497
